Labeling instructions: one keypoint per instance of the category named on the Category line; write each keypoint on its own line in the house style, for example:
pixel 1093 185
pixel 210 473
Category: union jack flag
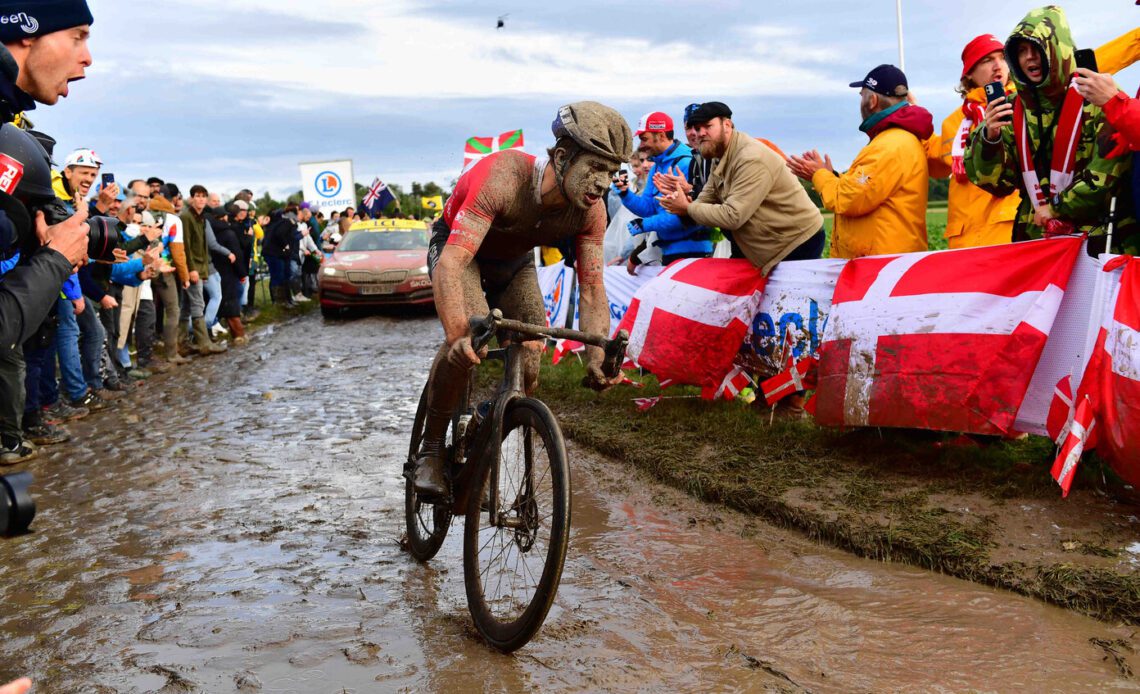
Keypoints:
pixel 377 198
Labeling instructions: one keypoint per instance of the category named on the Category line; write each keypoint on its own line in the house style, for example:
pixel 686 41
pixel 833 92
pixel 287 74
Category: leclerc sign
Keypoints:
pixel 328 185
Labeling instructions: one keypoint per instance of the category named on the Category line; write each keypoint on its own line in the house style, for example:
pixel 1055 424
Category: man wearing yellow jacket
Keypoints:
pixel 974 217
pixel 880 202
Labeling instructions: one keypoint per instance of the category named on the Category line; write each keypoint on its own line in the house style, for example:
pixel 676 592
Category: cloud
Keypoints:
pixel 235 94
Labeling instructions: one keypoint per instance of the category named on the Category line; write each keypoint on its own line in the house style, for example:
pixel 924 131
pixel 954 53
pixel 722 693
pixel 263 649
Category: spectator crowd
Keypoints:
pixel 1048 150
pixel 1042 145
pixel 181 280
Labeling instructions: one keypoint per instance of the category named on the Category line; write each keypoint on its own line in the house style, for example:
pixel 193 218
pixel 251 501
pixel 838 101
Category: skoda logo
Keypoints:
pixel 328 184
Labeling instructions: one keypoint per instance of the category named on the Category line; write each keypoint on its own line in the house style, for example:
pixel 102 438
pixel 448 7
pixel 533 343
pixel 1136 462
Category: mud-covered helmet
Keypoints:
pixel 20 150
pixel 595 128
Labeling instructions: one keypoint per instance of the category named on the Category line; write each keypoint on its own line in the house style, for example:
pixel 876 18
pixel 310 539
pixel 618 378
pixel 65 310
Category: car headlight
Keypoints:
pixel 332 271
pixel 422 270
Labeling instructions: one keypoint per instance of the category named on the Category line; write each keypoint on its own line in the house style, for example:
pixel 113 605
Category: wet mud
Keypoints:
pixel 235 526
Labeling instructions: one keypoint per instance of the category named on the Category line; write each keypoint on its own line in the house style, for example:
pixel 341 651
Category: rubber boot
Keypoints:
pixel 431 481
pixel 202 340
pixel 237 330
pixel 173 357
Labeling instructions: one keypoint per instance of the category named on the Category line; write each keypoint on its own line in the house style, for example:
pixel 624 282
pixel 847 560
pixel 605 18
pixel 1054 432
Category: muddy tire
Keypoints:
pixel 512 565
pixel 427 523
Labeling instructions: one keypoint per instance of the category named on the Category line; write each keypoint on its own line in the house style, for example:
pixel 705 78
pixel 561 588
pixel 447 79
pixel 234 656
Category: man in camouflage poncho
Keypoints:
pixel 1042 77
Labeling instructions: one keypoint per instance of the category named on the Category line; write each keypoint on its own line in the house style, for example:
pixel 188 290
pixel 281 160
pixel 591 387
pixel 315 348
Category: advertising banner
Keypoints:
pixel 556 283
pixel 328 184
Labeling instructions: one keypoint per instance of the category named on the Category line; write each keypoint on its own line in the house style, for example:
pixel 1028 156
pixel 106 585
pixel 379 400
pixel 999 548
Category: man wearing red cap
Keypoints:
pixel 974 217
pixel 676 238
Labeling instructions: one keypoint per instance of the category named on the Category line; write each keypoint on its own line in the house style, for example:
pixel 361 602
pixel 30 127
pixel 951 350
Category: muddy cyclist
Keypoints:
pixel 481 255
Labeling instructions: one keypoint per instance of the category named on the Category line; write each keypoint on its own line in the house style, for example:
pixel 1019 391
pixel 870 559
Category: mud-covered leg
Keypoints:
pixel 445 388
pixel 522 300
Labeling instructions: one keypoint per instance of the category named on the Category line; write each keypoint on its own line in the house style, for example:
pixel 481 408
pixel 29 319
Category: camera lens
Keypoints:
pixel 101 239
pixel 17 508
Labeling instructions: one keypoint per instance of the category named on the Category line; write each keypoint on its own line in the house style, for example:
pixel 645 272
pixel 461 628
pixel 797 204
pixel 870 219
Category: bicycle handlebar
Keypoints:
pixel 482 329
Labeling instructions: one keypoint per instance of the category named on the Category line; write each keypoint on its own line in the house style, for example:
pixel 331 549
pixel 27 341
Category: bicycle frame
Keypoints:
pixel 487 438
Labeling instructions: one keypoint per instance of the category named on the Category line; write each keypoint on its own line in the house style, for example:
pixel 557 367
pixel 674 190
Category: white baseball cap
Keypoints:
pixel 83 157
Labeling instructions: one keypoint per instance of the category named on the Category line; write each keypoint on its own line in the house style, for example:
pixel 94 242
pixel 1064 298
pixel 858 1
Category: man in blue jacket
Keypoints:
pixel 676 238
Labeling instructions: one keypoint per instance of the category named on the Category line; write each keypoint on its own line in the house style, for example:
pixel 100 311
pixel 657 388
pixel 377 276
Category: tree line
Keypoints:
pixel 407 202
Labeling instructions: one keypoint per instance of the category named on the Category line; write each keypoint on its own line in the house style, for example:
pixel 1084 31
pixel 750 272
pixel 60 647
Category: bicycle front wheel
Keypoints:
pixel 512 560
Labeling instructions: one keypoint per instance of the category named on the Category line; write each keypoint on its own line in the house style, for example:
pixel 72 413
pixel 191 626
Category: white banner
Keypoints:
pixel 621 286
pixel 798 294
pixel 329 184
pixel 555 283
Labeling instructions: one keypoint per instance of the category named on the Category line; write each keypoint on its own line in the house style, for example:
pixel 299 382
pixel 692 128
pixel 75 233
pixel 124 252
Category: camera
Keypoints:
pixel 17 508
pixel 102 235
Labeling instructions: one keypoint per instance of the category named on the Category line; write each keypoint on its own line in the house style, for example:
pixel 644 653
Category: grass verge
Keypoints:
pixel 985 510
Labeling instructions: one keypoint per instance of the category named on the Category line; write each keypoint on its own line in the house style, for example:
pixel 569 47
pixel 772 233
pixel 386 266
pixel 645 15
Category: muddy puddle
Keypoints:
pixel 234 527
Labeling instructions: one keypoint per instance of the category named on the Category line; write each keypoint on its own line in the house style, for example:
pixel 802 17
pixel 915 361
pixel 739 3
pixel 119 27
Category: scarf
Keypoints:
pixel 1066 136
pixel 974 113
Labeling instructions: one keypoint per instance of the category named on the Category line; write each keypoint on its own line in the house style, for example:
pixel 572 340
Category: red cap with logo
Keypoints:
pixel 979 48
pixel 656 122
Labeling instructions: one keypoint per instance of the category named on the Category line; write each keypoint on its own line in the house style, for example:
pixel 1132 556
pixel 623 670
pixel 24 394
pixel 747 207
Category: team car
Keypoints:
pixel 381 262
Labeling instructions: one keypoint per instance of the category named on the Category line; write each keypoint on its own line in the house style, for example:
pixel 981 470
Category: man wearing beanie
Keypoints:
pixel 974 216
pixel 45 44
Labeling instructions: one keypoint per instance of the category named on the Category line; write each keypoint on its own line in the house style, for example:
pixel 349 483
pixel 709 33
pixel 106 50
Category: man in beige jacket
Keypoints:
pixel 750 195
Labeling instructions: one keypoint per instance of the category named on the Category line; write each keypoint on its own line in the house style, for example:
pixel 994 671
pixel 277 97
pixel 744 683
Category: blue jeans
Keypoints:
pixel 92 337
pixel 49 387
pixel 35 359
pixel 67 345
pixel 278 271
pixel 214 290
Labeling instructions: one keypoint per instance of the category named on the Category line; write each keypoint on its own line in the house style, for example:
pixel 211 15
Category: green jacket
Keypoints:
pixel 994 166
pixel 194 238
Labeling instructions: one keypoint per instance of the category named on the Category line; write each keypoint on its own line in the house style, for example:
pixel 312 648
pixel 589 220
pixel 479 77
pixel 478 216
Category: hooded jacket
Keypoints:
pixel 280 239
pixel 880 202
pixel 974 217
pixel 1096 179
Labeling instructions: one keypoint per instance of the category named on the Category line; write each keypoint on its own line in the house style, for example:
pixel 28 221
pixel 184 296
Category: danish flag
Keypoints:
pixel 735 381
pixel 563 347
pixel 946 340
pixel 688 323
pixel 799 376
pixel 1107 414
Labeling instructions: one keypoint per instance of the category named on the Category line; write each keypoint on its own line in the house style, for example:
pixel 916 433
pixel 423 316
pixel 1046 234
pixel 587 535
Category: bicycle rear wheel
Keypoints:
pixel 512 563
pixel 427 523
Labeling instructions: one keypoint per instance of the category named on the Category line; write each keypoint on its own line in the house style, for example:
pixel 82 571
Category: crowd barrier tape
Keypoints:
pixel 798 294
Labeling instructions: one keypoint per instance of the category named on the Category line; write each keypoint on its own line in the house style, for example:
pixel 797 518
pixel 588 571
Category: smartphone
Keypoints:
pixel 108 179
pixel 994 90
pixel 1086 58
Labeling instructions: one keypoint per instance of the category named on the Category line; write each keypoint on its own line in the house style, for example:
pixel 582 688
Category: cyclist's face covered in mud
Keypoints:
pixel 587 178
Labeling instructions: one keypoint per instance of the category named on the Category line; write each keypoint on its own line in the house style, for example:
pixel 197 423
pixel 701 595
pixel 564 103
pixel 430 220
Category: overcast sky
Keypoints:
pixel 235 93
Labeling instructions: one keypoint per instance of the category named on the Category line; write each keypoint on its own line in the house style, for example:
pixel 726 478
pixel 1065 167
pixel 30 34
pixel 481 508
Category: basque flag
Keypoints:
pixel 377 198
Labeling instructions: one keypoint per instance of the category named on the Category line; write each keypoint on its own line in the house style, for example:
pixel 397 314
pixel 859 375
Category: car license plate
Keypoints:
pixel 378 289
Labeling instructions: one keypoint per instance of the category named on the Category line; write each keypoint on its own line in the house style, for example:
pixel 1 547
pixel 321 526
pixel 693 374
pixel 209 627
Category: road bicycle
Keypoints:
pixel 510 480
